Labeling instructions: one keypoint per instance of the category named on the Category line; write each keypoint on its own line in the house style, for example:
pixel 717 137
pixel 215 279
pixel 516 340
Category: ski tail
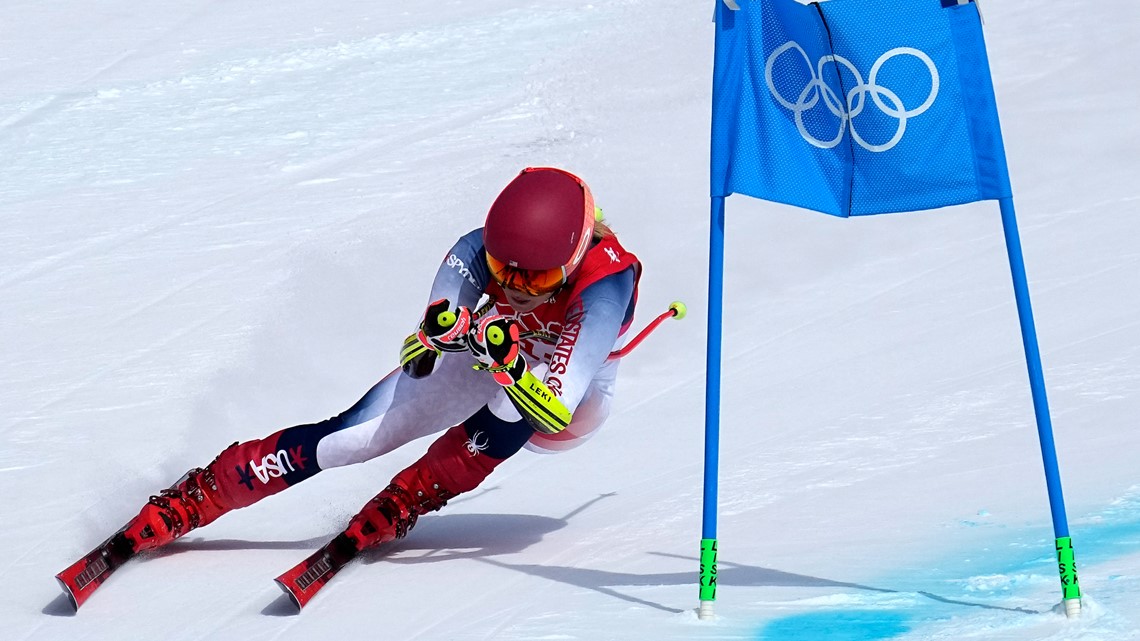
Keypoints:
pixel 304 580
pixel 80 580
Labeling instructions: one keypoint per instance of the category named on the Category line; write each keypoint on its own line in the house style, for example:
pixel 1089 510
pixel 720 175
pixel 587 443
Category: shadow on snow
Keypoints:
pixel 480 537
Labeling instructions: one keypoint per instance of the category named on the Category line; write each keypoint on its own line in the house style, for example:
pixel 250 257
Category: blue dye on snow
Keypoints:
pixel 1115 532
pixel 837 625
pixel 1020 561
pixel 1109 534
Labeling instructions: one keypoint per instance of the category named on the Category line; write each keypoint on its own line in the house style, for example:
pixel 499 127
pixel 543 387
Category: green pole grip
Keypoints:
pixel 1067 564
pixel 708 569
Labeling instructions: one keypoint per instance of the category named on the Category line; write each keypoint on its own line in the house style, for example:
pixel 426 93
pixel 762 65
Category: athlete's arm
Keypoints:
pixel 589 334
pixel 547 396
pixel 459 283
pixel 463 274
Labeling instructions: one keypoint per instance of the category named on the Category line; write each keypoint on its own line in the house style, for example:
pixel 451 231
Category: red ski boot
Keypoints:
pixel 388 516
pixel 190 504
pixel 393 512
pixel 449 468
pixel 241 475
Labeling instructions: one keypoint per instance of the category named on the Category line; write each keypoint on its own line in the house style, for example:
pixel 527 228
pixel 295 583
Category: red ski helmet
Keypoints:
pixel 538 230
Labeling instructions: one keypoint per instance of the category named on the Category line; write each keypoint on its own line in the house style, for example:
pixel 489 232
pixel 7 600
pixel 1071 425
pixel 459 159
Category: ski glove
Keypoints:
pixel 494 342
pixel 442 330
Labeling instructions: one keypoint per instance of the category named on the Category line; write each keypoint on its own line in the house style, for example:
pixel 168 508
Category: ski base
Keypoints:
pixel 80 580
pixel 305 579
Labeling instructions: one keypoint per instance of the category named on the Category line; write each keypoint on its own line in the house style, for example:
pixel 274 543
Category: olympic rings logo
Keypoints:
pixel 856 100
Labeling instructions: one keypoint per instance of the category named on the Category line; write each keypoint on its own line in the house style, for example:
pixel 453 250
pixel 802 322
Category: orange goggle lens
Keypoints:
pixel 535 282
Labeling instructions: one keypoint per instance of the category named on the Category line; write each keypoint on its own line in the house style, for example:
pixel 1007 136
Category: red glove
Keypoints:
pixel 494 342
pixel 442 330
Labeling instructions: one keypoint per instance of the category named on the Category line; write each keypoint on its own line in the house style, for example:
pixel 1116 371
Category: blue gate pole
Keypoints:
pixel 712 408
pixel 1070 590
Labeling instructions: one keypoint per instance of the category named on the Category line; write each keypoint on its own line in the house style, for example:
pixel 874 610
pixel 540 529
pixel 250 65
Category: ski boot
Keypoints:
pixel 394 511
pixel 236 478
pixel 451 466
pixel 190 504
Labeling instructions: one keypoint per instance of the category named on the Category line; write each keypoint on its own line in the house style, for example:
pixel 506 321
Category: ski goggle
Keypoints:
pixel 536 282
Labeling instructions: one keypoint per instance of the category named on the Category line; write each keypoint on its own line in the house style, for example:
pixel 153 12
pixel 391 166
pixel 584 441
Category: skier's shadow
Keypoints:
pixel 480 537
pixel 443 538
pixel 506 538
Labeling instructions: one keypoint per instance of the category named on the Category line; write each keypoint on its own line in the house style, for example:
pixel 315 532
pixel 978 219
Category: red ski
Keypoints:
pixel 303 580
pixel 83 577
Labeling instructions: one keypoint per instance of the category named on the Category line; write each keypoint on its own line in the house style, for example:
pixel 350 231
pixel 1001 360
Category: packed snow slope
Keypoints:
pixel 222 218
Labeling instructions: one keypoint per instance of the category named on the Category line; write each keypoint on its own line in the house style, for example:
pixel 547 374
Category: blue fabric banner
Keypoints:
pixel 855 107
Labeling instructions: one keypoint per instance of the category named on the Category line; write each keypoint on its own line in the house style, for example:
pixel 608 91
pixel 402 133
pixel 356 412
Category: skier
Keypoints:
pixel 528 364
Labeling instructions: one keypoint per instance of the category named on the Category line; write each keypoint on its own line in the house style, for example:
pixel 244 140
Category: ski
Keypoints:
pixel 303 580
pixel 80 580
pixel 83 577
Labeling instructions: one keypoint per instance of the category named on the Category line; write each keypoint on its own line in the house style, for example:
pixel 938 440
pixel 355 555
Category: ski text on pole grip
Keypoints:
pixel 708 569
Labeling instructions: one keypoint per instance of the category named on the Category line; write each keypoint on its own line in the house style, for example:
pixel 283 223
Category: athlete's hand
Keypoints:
pixel 442 330
pixel 494 342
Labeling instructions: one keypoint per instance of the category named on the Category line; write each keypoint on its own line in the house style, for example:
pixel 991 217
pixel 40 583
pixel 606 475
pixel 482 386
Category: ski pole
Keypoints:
pixel 676 310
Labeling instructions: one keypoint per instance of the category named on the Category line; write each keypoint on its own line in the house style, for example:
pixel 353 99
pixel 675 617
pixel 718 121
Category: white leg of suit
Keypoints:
pixel 400 409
